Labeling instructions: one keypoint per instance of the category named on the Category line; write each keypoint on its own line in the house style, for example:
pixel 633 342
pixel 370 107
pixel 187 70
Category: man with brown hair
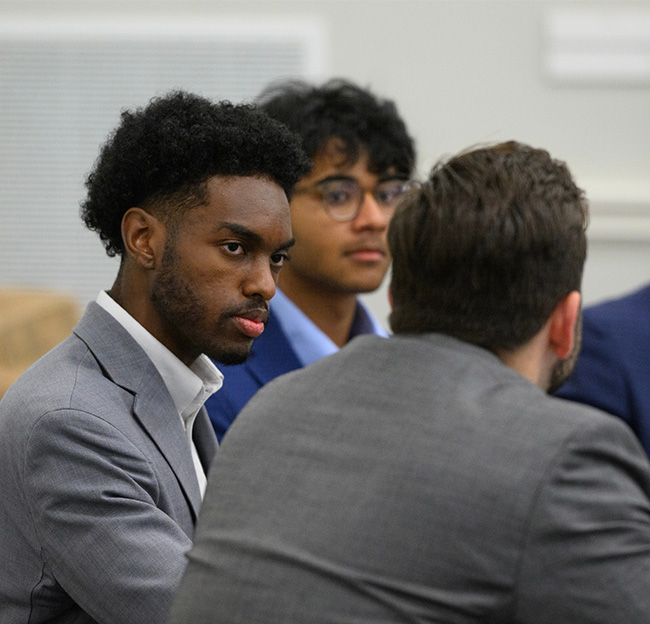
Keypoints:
pixel 430 477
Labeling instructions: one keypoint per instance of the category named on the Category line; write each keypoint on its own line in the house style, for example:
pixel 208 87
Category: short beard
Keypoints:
pixel 231 358
pixel 178 305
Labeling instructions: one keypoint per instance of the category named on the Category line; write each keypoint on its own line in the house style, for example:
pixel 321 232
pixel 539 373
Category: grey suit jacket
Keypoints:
pixel 99 493
pixel 418 479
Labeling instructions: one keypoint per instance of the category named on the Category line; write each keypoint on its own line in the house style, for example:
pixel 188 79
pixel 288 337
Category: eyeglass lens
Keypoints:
pixel 343 198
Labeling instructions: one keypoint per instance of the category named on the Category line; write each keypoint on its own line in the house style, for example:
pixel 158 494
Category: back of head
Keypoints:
pixel 160 157
pixel 487 246
pixel 340 109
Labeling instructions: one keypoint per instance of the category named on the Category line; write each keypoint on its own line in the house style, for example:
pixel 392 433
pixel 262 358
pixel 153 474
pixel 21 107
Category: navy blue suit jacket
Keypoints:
pixel 271 356
pixel 613 368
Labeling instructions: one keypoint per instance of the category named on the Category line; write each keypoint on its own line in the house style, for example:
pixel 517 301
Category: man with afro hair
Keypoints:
pixel 104 443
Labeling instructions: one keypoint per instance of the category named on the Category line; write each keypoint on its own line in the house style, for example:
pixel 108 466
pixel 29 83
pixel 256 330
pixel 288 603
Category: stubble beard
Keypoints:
pixel 182 311
pixel 563 368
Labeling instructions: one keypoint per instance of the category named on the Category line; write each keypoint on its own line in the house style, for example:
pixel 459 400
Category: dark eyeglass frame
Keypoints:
pixel 348 210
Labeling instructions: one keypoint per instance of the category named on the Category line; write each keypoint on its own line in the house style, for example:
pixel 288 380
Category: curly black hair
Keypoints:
pixel 343 110
pixel 162 155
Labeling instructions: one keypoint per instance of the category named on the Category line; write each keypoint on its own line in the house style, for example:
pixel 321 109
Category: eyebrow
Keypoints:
pixel 346 178
pixel 289 243
pixel 242 230
pixel 337 178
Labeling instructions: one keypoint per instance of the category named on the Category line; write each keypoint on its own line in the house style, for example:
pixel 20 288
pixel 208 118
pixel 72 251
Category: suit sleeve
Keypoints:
pixel 587 551
pixel 92 498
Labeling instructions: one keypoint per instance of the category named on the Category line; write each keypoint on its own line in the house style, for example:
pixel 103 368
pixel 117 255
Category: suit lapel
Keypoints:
pixel 204 439
pixel 156 412
pixel 127 365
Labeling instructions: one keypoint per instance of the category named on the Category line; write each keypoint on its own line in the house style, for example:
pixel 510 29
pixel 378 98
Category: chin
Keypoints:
pixel 366 286
pixel 232 357
pixel 370 281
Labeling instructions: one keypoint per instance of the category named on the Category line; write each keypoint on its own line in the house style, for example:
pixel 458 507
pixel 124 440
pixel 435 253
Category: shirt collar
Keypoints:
pixel 188 387
pixel 307 340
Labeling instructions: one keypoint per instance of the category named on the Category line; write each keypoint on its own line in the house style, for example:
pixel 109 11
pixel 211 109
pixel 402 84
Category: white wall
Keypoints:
pixel 469 71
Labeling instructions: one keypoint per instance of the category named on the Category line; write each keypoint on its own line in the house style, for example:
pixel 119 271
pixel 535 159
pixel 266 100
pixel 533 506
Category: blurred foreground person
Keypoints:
pixel 429 477
pixel 104 443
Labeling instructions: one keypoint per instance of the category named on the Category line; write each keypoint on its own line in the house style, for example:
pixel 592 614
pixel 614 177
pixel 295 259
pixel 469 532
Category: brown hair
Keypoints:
pixel 487 246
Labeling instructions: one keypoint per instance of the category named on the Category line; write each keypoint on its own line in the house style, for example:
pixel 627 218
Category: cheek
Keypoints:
pixel 208 281
pixel 322 234
pixel 313 251
pixel 307 221
pixel 206 263
pixel 217 286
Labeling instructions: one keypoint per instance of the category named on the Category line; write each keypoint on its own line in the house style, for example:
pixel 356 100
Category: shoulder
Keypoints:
pixel 597 454
pixel 620 314
pixel 589 522
pixel 63 397
pixel 615 335
pixel 50 382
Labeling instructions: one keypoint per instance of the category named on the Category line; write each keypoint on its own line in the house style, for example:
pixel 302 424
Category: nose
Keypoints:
pixel 261 280
pixel 371 216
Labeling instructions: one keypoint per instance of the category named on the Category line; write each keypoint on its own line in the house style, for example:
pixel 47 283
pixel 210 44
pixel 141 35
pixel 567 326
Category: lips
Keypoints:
pixel 367 253
pixel 251 322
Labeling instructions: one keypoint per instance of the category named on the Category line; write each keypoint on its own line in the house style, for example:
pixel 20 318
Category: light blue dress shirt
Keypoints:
pixel 308 341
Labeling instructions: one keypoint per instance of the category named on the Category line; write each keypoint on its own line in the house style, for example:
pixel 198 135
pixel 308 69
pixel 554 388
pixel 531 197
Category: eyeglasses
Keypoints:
pixel 342 197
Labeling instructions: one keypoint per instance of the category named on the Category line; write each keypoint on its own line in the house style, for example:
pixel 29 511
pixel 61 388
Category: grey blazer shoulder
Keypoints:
pixel 101 495
pixel 418 479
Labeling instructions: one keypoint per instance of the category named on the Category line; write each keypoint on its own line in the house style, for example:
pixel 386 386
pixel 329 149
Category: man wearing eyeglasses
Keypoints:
pixel 362 158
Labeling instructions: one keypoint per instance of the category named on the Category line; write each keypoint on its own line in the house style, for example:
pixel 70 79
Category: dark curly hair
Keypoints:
pixel 343 110
pixel 486 248
pixel 161 156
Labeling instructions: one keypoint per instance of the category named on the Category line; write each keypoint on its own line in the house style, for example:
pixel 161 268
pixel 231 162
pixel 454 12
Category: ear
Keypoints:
pixel 143 237
pixel 562 324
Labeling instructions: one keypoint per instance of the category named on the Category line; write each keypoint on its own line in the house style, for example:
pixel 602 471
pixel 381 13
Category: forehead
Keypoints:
pixel 333 154
pixel 331 160
pixel 257 203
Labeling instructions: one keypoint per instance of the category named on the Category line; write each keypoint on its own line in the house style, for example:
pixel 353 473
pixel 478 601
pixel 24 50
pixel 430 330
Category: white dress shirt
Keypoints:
pixel 188 387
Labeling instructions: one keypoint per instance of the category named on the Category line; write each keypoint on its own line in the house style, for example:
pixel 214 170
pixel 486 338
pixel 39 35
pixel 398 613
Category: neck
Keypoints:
pixel 531 360
pixel 331 311
pixel 128 296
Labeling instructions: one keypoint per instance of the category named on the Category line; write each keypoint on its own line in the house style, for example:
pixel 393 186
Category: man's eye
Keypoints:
pixel 335 197
pixel 278 259
pixel 234 248
pixel 384 195
pixel 390 193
